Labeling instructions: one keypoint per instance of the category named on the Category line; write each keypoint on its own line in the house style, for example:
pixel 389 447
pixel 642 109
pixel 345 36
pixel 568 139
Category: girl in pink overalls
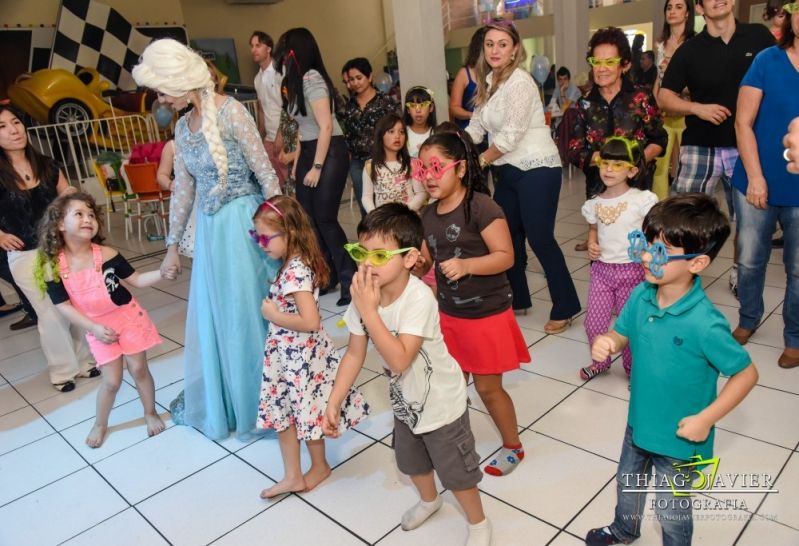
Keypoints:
pixel 86 289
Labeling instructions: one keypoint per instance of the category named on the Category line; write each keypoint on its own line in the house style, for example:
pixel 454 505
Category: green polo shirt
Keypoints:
pixel 678 353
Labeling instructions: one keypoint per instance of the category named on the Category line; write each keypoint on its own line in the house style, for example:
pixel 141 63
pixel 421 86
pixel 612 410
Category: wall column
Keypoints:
pixel 571 34
pixel 419 35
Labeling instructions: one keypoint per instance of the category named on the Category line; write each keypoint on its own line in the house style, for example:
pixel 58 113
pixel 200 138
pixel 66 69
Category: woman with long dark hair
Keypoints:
pixel 323 164
pixel 29 182
pixel 464 86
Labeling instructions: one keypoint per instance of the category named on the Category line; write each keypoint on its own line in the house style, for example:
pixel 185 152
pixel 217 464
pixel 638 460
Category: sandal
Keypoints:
pixel 67 386
pixel 557 326
pixel 93 372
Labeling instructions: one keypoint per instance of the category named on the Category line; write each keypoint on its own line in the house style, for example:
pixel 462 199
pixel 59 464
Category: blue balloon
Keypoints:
pixel 383 82
pixel 540 69
pixel 163 114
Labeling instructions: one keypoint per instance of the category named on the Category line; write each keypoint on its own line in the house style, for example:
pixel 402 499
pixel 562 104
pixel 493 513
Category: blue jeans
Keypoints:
pixel 673 513
pixel 755 229
pixel 356 174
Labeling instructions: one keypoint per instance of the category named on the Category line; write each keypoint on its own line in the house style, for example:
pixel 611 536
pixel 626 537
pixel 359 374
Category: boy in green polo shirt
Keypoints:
pixel 680 343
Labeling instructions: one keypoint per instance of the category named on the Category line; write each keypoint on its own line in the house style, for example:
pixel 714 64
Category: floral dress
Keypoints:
pixel 299 367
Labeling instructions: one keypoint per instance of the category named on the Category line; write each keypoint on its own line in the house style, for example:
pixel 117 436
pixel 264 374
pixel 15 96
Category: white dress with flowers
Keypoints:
pixel 299 367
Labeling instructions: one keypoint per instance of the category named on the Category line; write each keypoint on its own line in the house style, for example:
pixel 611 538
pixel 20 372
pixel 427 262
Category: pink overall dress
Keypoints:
pixel 88 294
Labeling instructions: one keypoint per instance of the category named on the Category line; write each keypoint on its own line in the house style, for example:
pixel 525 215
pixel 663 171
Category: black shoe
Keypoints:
pixel 344 300
pixel 779 242
pixel 26 322
pixel 601 537
pixel 65 387
pixel 5 313
pixel 93 372
pixel 329 288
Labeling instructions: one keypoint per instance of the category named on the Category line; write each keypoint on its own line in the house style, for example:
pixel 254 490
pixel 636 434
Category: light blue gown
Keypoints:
pixel 225 332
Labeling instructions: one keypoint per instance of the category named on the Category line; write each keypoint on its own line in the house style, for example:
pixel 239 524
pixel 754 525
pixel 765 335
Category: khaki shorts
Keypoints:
pixel 448 450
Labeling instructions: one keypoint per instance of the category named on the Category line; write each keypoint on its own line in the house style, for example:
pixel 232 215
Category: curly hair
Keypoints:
pixel 611 36
pixel 285 214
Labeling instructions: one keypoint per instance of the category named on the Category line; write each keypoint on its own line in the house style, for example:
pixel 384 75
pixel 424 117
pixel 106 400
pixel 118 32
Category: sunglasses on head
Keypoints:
pixel 791 8
pixel 657 250
pixel 263 240
pixel 377 257
pixel 421 104
pixel 610 62
pixel 436 170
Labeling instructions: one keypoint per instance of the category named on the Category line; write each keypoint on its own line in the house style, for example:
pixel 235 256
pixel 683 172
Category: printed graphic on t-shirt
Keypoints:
pixel 407 411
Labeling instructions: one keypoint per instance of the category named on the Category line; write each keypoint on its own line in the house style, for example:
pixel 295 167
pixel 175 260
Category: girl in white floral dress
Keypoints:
pixel 300 359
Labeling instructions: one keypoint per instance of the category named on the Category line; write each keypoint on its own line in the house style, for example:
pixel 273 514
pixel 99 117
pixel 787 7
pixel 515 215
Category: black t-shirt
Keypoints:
pixel 449 236
pixel 21 211
pixel 712 71
pixel 113 270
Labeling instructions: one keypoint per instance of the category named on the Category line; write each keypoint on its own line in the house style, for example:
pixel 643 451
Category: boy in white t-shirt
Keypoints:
pixel 399 313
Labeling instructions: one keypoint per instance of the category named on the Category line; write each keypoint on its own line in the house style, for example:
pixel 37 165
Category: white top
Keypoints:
pixel 415 140
pixel 431 392
pixel 615 219
pixel 390 186
pixel 514 119
pixel 267 87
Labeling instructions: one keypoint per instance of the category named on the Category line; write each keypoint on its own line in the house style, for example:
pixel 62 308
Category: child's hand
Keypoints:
pixel 330 421
pixel 365 290
pixel 104 334
pixel 170 273
pixel 420 267
pixel 602 348
pixel 694 428
pixel 269 309
pixel 454 268
pixel 594 252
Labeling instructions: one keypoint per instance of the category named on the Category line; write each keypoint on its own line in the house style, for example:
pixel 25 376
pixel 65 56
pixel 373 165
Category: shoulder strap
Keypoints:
pixel 469 75
pixel 97 252
pixel 63 264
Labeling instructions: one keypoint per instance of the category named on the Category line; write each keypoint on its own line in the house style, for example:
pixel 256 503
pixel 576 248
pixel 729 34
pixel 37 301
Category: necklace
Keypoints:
pixel 24 174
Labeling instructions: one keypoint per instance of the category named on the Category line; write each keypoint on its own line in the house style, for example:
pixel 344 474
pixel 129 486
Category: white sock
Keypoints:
pixel 479 534
pixel 419 512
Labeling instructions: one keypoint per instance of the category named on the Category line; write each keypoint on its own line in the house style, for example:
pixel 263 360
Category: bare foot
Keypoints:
pixel 96 435
pixel 154 424
pixel 316 475
pixel 284 486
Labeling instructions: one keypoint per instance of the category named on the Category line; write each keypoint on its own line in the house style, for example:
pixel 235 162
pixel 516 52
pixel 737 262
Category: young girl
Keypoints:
pixel 619 209
pixel 86 289
pixel 419 118
pixel 387 176
pixel 300 360
pixel 467 236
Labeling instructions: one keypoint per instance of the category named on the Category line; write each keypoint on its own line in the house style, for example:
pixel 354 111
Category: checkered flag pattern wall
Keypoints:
pixel 92 34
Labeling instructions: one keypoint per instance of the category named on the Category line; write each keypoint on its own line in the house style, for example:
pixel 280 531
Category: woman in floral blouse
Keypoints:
pixel 613 107
pixel 359 117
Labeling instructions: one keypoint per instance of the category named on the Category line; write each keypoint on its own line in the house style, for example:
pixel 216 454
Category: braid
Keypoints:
pixel 213 137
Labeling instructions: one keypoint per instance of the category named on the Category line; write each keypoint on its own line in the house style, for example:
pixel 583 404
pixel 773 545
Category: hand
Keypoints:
pixel 170 274
pixel 693 428
pixel 420 267
pixel 791 143
pixel 171 262
pixel 69 190
pixel 594 252
pixel 312 178
pixel 269 309
pixel 602 348
pixel 365 290
pixel 10 242
pixel 330 420
pixel 757 192
pixel 286 157
pixel 104 334
pixel 714 113
pixel 454 268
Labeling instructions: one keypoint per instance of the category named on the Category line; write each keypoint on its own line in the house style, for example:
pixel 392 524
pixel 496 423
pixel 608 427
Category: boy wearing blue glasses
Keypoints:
pixel 399 313
pixel 680 344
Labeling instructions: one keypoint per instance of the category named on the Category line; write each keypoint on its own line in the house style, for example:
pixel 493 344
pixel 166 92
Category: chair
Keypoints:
pixel 143 183
pixel 109 192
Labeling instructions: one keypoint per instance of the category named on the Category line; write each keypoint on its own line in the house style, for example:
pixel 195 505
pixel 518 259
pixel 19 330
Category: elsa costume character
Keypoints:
pixel 220 163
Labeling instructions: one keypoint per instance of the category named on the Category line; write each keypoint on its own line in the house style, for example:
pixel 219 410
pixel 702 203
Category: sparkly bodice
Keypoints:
pixel 249 169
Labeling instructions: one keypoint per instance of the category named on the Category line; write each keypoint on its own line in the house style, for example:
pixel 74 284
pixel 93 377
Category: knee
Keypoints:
pixel 138 371
pixel 488 392
pixel 112 384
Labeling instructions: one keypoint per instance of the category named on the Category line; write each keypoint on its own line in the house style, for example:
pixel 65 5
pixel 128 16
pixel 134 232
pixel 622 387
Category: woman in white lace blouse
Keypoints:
pixel 527 168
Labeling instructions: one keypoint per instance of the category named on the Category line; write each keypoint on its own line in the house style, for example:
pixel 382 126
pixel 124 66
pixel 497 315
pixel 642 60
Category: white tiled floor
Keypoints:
pixel 181 488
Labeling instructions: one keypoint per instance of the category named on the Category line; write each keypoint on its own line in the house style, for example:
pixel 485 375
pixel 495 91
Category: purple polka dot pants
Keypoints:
pixel 611 285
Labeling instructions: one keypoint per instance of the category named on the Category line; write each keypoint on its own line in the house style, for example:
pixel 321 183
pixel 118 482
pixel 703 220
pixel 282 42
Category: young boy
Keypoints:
pixel 680 344
pixel 399 313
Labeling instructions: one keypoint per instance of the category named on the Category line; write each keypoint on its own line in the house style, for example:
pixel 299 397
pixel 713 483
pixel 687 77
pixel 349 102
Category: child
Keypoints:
pixel 681 343
pixel 86 289
pixel 611 215
pixel 468 238
pixel 387 176
pixel 300 359
pixel 420 117
pixel 398 312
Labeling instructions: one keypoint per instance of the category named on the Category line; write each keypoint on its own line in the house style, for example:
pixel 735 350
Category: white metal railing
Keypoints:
pixel 76 144
pixel 252 108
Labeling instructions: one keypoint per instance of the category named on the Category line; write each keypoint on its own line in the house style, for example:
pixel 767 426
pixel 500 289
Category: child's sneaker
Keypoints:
pixel 601 537
pixel 591 371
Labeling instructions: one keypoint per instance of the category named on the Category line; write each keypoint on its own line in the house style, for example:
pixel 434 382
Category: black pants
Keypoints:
pixel 5 274
pixel 529 200
pixel 322 205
